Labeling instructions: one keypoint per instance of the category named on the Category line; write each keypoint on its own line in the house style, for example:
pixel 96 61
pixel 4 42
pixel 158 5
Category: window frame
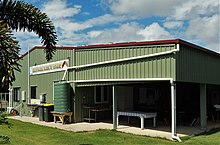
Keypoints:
pixel 104 91
pixel 16 94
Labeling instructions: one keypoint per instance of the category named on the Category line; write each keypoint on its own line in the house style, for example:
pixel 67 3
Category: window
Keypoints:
pixel 16 94
pixel 101 94
pixel 33 92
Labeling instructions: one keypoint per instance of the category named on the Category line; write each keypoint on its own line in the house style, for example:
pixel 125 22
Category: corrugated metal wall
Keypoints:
pixel 44 82
pixel 21 77
pixel 189 65
pixel 196 66
pixel 155 67
pixel 22 82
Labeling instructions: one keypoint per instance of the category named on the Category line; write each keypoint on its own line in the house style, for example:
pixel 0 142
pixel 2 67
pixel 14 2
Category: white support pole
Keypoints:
pixel 173 106
pixel 173 111
pixel 10 97
pixel 114 97
pixel 142 122
pixel 28 81
pixel 203 110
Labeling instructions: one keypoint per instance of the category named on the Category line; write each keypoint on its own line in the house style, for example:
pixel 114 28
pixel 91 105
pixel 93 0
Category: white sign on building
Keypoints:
pixel 49 67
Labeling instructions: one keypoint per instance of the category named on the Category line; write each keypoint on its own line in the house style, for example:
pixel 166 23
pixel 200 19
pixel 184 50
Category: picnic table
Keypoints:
pixel 140 114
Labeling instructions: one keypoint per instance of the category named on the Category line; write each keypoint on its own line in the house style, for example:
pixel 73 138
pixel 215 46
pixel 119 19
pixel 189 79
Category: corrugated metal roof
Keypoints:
pixel 124 44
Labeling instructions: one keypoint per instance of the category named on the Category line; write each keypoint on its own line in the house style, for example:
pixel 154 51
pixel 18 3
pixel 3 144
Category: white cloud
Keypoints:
pixel 144 7
pixel 56 9
pixel 173 24
pixel 72 41
pixel 205 29
pixel 94 34
pixel 129 32
pixel 67 28
pixel 155 32
pixel 126 32
pixel 27 40
pixel 176 14
pixel 176 9
pixel 61 15
pixel 106 19
pixel 196 8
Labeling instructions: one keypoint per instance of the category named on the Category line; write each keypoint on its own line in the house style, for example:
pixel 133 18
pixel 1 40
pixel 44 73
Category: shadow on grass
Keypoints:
pixel 210 132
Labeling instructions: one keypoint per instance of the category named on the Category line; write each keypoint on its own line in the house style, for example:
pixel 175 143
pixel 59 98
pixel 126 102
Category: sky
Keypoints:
pixel 88 22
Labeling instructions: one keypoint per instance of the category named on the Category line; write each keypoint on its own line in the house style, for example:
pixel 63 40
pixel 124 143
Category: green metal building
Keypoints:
pixel 167 77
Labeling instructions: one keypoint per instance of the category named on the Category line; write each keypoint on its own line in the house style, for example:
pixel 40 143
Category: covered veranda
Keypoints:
pixel 165 108
pixel 188 110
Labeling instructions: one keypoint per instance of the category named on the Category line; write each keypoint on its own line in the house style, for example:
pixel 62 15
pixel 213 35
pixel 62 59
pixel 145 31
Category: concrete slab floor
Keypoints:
pixel 159 131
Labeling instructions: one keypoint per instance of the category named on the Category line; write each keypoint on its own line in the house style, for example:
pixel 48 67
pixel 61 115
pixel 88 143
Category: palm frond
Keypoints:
pixel 23 16
pixel 9 50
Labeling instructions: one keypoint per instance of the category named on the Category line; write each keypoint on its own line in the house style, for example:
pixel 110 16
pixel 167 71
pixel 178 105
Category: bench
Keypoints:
pixel 62 116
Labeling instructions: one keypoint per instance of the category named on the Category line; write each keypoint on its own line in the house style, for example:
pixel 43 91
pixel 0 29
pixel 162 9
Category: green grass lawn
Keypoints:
pixel 30 134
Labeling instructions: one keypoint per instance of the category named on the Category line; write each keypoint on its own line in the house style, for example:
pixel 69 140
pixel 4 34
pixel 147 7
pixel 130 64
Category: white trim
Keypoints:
pixel 126 59
pixel 125 80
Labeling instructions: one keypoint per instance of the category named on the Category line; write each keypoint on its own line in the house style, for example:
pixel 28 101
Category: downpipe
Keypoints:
pixel 175 137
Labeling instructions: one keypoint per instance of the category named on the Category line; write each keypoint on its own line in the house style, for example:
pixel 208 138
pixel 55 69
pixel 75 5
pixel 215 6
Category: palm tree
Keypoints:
pixel 18 15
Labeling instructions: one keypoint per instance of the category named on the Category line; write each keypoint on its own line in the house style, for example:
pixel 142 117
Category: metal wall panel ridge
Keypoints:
pixel 155 67
pixel 194 65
